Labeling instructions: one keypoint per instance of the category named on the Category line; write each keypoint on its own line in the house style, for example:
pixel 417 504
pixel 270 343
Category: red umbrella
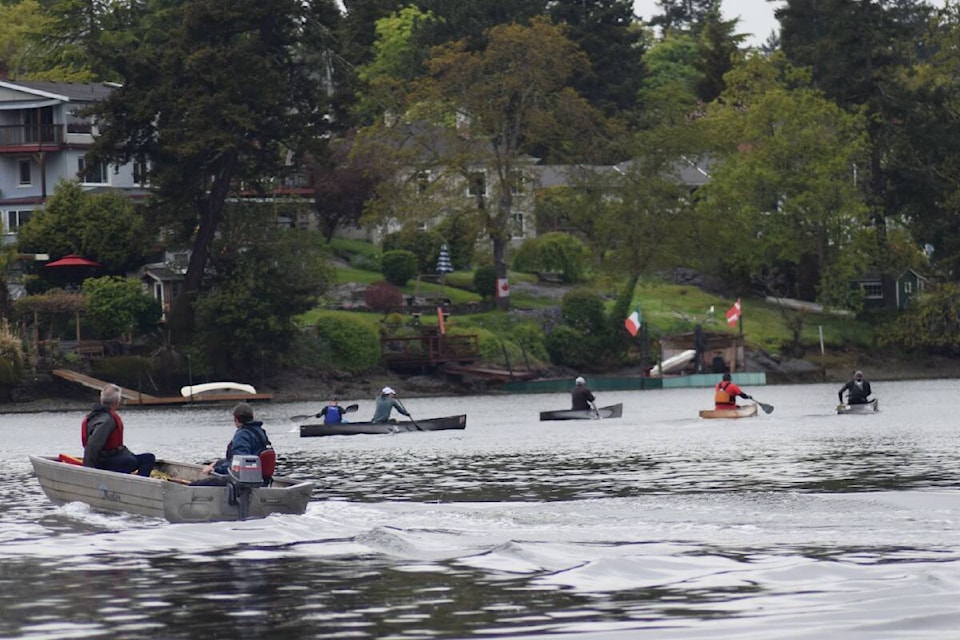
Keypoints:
pixel 73 260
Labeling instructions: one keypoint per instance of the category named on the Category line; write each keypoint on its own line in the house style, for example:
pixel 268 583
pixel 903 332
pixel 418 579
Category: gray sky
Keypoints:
pixel 756 16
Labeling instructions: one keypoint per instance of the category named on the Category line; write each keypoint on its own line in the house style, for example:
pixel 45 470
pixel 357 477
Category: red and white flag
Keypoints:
pixel 633 323
pixel 503 288
pixel 733 313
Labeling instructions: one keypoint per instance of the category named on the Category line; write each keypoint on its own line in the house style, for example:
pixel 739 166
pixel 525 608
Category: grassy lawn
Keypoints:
pixel 666 308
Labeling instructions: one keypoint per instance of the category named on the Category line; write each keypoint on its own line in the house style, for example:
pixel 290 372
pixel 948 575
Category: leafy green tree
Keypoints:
pixel 264 278
pixel 118 306
pixel 931 323
pixel 398 266
pixel 19 22
pixel 673 62
pixel 106 227
pixel 854 49
pixel 186 106
pixel 514 95
pixel 782 208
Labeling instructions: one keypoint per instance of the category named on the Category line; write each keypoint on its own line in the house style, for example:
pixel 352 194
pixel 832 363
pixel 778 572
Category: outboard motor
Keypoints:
pixel 245 474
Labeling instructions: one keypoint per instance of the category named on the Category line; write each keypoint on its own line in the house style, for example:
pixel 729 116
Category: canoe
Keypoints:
pixel 868 407
pixel 359 428
pixel 613 411
pixel 743 411
pixel 212 388
pixel 165 495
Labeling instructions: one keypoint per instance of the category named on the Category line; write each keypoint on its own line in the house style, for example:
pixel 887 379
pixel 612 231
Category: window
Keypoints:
pixel 477 188
pixel 95 173
pixel 26 179
pixel 907 287
pixel 517 230
pixel 873 290
pixel 16 219
pixel 516 183
pixel 423 181
pixel 140 172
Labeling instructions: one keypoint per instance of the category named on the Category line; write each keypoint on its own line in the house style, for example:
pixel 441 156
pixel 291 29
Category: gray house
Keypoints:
pixel 44 137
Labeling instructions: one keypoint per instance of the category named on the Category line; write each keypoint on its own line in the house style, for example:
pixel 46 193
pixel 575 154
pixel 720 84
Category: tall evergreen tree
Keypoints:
pixel 683 15
pixel 718 45
pixel 606 31
pixel 213 94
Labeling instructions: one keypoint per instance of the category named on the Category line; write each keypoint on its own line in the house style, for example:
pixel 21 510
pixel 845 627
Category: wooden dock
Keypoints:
pixel 132 398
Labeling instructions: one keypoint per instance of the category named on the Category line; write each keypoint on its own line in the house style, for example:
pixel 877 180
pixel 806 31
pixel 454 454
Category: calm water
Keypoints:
pixel 798 524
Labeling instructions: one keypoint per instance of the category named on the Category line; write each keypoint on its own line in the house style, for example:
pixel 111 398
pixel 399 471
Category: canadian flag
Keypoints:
pixel 733 313
pixel 503 288
pixel 632 323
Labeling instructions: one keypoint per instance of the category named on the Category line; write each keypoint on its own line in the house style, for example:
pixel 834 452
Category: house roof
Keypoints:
pixel 162 274
pixel 62 91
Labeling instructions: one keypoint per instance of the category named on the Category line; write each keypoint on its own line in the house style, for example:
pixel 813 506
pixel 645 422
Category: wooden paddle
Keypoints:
pixel 350 408
pixel 419 428
pixel 596 412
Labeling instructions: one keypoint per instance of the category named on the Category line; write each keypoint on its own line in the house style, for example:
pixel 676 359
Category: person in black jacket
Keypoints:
pixel 858 390
pixel 581 396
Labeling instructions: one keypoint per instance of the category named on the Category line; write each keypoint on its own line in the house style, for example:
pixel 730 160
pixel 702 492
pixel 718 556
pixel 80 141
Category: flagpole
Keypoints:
pixel 743 364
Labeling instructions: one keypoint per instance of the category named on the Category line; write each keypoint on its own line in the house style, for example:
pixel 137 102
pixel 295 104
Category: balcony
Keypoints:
pixel 19 138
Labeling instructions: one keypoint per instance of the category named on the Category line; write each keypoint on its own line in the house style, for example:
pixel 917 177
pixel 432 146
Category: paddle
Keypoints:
pixel 350 408
pixel 596 412
pixel 419 428
pixel 767 408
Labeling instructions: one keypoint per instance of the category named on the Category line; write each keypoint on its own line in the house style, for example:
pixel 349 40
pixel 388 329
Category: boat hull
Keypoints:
pixel 64 482
pixel 868 407
pixel 743 411
pixel 361 428
pixel 612 411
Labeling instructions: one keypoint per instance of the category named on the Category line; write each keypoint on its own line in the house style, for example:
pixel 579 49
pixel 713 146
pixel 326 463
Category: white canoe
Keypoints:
pixel 68 481
pixel 743 411
pixel 212 388
pixel 868 407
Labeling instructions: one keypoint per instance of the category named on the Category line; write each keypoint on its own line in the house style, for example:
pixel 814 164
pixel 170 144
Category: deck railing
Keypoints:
pixel 20 135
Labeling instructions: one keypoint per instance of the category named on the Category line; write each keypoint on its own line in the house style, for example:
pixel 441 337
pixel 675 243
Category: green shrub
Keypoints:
pixel 346 345
pixel 555 252
pixel 117 306
pixel 425 245
pixel 398 266
pixel 11 355
pixel 485 281
pixel 570 348
pixel 583 310
pixel 460 231
pixel 529 336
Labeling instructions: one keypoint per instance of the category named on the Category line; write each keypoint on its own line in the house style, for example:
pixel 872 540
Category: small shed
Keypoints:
pixel 164 284
pixel 909 283
pixel 714 352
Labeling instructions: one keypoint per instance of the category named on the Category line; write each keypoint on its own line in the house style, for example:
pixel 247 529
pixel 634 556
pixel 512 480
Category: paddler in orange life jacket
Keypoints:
pixel 102 438
pixel 726 392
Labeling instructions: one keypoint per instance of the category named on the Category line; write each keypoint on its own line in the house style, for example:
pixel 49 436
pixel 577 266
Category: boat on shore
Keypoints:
pixel 361 428
pixel 867 407
pixel 217 388
pixel 166 494
pixel 743 411
pixel 612 411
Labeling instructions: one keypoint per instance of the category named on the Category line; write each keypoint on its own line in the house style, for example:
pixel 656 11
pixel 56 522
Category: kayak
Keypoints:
pixel 612 411
pixel 743 411
pixel 867 407
pixel 359 428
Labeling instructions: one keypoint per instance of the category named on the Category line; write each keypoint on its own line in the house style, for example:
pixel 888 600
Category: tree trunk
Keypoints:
pixel 211 213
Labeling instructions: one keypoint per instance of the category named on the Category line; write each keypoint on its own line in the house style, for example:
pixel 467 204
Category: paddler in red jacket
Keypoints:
pixel 726 392
pixel 102 438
